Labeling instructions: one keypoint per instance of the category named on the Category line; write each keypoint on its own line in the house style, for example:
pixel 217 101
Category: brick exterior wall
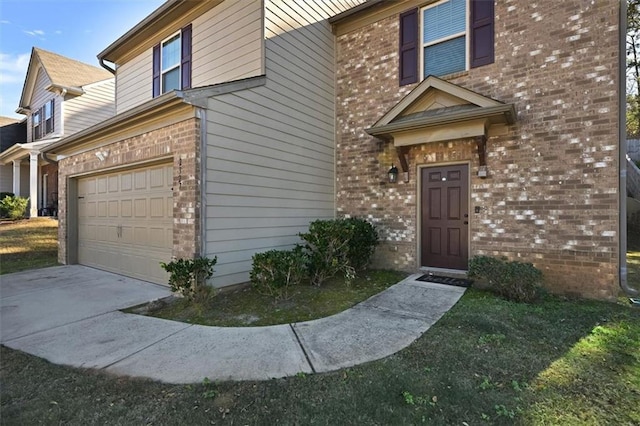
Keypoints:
pixel 551 197
pixel 180 141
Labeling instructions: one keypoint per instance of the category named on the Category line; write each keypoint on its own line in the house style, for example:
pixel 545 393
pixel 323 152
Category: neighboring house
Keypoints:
pixel 60 96
pixel 511 146
pixel 240 121
pixel 223 142
pixel 12 131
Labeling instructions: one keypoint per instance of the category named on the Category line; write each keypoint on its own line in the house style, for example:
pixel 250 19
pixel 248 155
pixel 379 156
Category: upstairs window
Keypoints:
pixel 445 37
pixel 37 126
pixel 48 117
pixel 172 63
pixel 43 120
pixel 170 54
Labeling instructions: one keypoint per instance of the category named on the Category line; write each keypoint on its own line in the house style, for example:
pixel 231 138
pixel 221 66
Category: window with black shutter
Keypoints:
pixel 172 63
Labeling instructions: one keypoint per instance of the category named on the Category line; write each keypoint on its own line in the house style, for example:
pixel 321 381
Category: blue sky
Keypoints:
pixel 78 29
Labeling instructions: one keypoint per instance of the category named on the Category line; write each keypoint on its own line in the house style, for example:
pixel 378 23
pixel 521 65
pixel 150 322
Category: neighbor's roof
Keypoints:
pixel 63 71
pixel 5 121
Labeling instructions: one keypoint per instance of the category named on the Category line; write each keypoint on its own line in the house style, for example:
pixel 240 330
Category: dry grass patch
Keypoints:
pixel 28 244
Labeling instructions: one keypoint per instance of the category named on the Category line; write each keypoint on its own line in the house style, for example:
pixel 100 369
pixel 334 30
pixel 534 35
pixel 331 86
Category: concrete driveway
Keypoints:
pixel 71 315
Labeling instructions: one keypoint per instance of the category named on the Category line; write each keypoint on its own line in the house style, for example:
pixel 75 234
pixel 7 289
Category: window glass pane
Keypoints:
pixel 171 80
pixel 444 20
pixel 445 58
pixel 47 110
pixel 171 52
pixel 36 118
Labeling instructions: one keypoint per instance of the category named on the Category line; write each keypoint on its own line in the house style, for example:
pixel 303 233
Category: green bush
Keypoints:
pixel 363 239
pixel 275 271
pixel 515 281
pixel 6 194
pixel 189 277
pixel 339 245
pixel 13 207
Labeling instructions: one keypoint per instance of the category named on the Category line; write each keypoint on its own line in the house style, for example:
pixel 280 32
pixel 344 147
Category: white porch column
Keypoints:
pixel 33 183
pixel 16 177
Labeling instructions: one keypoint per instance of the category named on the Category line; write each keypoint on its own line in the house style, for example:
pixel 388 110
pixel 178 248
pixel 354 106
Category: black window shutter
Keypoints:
pixel 53 115
pixel 156 70
pixel 409 47
pixel 482 33
pixel 185 64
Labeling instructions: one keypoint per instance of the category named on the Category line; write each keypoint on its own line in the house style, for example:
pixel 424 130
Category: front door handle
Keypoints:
pixel 466 222
pixel 466 215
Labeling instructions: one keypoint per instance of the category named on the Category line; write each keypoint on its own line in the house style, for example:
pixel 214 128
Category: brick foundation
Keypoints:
pixel 551 197
pixel 179 143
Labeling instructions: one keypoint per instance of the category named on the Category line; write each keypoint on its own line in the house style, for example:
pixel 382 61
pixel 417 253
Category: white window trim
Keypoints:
pixel 178 65
pixel 467 31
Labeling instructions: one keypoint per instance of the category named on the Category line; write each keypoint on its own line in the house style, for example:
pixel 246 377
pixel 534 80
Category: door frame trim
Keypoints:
pixel 419 168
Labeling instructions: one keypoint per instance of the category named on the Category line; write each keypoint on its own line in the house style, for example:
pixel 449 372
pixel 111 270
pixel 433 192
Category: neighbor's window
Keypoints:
pixel 36 125
pixel 444 37
pixel 171 64
pixel 48 117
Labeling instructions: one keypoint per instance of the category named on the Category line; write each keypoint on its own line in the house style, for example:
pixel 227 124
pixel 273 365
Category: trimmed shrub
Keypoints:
pixel 515 281
pixel 6 194
pixel 275 271
pixel 13 207
pixel 189 277
pixel 339 245
pixel 363 239
pixel 327 247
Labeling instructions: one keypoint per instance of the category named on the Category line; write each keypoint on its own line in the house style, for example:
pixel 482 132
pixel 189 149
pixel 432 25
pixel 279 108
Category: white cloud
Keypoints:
pixel 57 32
pixel 4 21
pixel 13 68
pixel 35 33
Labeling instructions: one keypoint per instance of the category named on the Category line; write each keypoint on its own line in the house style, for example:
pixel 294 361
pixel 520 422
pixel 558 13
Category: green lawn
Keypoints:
pixel 28 244
pixel 487 361
pixel 246 307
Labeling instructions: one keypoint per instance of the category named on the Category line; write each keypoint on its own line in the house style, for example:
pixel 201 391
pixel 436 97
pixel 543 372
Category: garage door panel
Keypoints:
pixel 101 185
pixel 126 180
pixel 140 180
pixel 125 222
pixel 140 207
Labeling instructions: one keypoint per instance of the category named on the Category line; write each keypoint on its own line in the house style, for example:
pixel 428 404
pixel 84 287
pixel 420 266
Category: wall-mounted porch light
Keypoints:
pixel 393 174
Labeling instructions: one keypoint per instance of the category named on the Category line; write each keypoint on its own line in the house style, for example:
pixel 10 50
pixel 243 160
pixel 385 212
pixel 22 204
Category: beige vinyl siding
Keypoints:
pixel 227 43
pixel 39 97
pixel 226 46
pixel 270 150
pixel 95 105
pixel 133 82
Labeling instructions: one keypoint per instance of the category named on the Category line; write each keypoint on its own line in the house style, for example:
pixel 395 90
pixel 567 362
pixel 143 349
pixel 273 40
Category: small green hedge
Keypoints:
pixel 330 247
pixel 13 207
pixel 515 281
pixel 189 277
pixel 274 272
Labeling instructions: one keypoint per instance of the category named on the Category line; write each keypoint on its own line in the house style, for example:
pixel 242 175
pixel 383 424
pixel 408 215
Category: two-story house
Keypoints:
pixel 223 141
pixel 504 122
pixel 60 96
pixel 458 127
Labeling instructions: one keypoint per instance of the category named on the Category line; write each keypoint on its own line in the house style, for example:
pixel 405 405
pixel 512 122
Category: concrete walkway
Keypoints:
pixel 70 315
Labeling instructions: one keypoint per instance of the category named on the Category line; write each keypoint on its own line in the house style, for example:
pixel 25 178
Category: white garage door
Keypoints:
pixel 125 222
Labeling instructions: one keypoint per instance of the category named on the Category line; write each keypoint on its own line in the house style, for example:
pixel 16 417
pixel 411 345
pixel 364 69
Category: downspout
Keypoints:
pixel 106 67
pixel 202 115
pixel 622 151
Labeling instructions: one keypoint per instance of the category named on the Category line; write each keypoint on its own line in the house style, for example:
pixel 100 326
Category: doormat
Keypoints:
pixel 439 279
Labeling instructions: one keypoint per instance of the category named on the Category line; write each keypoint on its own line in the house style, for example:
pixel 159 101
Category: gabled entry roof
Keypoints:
pixel 437 110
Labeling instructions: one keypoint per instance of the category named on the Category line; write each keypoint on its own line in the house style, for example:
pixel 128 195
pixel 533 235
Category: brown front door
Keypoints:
pixel 445 216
